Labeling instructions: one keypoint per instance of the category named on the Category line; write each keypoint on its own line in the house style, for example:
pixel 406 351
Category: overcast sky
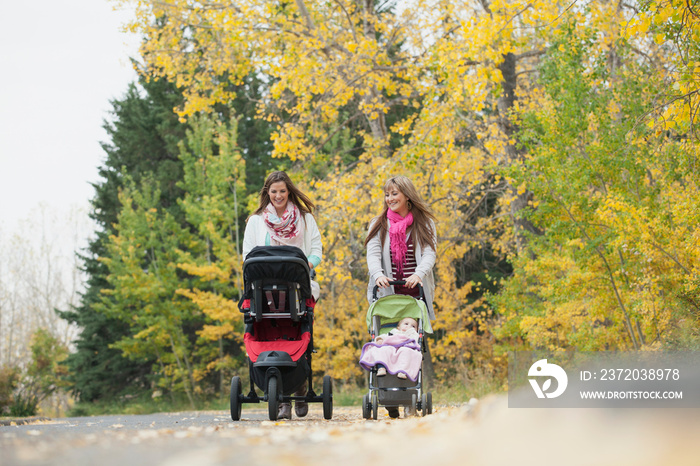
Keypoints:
pixel 61 62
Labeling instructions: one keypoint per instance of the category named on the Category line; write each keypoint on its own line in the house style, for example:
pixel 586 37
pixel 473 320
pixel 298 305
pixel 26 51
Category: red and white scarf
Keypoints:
pixel 397 237
pixel 284 230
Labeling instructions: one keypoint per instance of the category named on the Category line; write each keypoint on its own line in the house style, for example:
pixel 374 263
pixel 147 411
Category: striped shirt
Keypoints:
pixel 409 268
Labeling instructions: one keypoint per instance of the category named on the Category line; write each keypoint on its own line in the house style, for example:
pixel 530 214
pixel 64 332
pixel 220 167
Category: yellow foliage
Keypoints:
pixel 459 147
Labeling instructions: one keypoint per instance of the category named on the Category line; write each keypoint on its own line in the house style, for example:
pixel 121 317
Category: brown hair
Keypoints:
pixel 420 210
pixel 300 199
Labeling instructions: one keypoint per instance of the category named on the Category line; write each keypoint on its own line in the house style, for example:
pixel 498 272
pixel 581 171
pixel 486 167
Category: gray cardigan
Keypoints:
pixel 379 263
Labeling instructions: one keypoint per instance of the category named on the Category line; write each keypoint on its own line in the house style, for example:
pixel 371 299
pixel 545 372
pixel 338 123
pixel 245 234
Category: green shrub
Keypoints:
pixel 24 406
pixel 9 379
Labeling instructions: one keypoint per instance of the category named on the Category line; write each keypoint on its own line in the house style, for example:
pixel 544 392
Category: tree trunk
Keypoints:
pixel 505 104
pixel 375 118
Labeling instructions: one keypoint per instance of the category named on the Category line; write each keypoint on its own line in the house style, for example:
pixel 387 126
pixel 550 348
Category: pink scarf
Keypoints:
pixel 397 237
pixel 284 230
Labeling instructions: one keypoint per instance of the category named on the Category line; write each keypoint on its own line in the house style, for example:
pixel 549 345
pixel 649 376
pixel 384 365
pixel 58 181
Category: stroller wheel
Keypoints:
pixel 375 406
pixel 414 403
pixel 366 407
pixel 327 397
pixel 424 404
pixel 235 398
pixel 272 398
pixel 429 400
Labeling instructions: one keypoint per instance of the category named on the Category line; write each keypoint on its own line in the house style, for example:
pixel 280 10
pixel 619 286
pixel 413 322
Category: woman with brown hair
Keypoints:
pixel 401 243
pixel 285 217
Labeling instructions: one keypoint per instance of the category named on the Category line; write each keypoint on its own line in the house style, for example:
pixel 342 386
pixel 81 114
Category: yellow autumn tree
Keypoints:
pixel 617 266
pixel 428 87
pixel 444 92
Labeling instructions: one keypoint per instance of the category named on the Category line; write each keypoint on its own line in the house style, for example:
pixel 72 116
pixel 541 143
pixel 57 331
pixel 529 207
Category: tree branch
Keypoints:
pixel 305 14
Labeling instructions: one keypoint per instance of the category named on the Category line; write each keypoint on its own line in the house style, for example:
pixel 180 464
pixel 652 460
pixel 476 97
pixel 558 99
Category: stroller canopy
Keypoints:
pixel 395 307
pixel 275 264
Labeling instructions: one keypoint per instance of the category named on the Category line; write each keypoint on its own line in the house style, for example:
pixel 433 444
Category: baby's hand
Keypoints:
pixel 379 340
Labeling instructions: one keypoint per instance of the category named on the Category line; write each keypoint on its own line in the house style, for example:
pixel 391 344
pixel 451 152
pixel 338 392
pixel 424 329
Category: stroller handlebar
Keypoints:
pixel 398 282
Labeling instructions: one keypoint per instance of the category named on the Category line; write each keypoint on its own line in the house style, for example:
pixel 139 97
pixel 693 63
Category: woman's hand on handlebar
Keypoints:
pixel 413 280
pixel 382 282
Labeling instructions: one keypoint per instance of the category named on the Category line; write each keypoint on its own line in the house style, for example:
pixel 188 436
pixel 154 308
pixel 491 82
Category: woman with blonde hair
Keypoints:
pixel 401 243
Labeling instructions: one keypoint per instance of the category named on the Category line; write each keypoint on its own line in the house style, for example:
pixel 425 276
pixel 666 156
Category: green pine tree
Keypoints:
pixel 145 135
pixel 143 142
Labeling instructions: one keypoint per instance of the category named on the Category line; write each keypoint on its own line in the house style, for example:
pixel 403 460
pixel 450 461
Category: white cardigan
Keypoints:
pixel 379 264
pixel 257 234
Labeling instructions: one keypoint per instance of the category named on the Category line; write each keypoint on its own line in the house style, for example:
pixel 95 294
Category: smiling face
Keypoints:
pixel 279 194
pixel 396 200
pixel 407 323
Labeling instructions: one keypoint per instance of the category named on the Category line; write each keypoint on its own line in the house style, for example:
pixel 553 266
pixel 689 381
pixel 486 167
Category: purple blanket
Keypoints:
pixel 397 353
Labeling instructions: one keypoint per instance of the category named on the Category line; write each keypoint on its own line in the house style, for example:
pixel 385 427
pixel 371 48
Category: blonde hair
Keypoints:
pixel 422 215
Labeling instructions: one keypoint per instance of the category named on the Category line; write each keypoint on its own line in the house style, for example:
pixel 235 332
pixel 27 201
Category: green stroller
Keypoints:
pixel 390 390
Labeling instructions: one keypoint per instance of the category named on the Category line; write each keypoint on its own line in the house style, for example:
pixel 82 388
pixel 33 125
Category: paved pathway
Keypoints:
pixel 486 434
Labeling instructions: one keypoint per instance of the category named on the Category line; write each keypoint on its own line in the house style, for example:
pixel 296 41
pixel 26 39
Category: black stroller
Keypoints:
pixel 279 314
pixel 391 391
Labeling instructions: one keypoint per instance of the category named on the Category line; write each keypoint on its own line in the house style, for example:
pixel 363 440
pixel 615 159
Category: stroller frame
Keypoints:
pixel 389 390
pixel 283 298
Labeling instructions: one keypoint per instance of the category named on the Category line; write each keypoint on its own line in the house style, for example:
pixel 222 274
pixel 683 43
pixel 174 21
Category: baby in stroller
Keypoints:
pixel 397 351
